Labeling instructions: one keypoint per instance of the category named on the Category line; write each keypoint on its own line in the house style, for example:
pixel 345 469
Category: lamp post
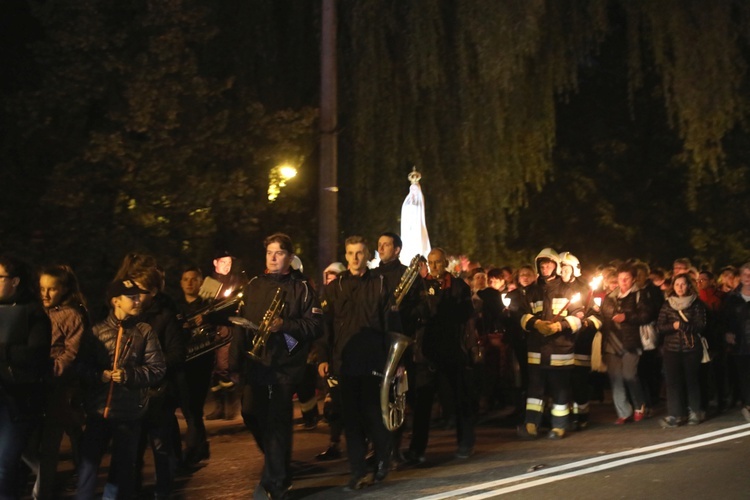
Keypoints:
pixel 328 187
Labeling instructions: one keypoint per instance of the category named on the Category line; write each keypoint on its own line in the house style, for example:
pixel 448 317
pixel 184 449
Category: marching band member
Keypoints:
pixel 355 352
pixel 289 316
pixel 445 354
pixel 193 388
pixel 223 386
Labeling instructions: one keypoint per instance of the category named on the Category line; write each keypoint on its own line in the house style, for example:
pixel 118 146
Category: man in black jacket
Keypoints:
pixel 287 310
pixel 442 350
pixel 355 352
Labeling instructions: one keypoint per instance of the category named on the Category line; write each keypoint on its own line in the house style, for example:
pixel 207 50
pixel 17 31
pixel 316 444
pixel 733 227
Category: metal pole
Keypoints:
pixel 328 202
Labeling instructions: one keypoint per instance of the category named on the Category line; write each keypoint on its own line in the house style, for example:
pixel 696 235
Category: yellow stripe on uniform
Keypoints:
pixel 560 410
pixel 561 360
pixel 582 360
pixel 533 404
pixel 534 358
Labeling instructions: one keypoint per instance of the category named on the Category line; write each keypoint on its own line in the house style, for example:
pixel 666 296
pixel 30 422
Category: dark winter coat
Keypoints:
pixel 688 336
pixel 637 313
pixel 355 340
pixel 25 334
pixel 288 348
pixel 736 320
pixel 445 335
pixel 140 356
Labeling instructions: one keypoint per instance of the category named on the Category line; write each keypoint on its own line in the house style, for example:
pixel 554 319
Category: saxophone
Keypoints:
pixel 395 383
pixel 259 352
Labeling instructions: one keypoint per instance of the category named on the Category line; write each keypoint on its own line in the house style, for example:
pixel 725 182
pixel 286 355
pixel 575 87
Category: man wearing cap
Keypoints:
pixel 271 378
pixel 119 360
pixel 222 384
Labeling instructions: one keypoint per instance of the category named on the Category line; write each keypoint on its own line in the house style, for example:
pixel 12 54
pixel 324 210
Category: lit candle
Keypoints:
pixel 574 298
pixel 506 299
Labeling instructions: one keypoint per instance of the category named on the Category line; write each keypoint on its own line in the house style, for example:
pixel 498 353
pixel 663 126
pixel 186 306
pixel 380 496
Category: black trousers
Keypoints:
pixel 462 381
pixel 682 375
pixel 268 411
pixel 556 383
pixel 360 404
pixel 193 388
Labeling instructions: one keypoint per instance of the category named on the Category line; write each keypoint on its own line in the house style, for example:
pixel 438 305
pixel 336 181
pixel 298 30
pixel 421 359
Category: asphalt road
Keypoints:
pixel 638 460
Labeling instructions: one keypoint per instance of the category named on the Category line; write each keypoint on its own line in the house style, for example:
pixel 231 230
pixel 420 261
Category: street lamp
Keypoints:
pixel 277 179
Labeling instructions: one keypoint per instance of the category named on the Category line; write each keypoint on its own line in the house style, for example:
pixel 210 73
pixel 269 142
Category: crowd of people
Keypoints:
pixel 536 339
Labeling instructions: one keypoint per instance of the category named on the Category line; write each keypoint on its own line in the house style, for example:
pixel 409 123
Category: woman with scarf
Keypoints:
pixel 681 322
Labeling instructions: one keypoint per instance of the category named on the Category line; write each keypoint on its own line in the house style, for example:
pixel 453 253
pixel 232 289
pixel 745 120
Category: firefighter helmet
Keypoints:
pixel 568 259
pixel 550 254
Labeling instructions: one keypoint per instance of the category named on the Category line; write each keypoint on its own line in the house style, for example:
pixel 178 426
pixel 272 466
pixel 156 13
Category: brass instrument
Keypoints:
pixel 258 352
pixel 407 279
pixel 395 382
pixel 207 338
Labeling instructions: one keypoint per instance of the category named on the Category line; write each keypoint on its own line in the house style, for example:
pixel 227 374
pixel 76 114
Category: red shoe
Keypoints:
pixel 621 420
pixel 639 414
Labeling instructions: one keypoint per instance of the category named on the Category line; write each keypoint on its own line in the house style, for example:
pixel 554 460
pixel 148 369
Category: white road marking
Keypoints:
pixel 644 453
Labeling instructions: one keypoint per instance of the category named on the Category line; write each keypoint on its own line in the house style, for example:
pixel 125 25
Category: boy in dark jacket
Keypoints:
pixel 118 364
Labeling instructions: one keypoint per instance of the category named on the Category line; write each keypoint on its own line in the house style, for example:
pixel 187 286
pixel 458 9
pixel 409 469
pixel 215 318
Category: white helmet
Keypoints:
pixel 568 259
pixel 297 264
pixel 547 253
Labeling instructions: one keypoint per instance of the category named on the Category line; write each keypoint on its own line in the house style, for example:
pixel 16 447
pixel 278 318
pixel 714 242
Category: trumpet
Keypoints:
pixel 258 352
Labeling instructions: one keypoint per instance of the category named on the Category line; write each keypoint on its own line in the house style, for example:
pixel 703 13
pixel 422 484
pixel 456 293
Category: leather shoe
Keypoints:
pixel 381 472
pixel 356 483
pixel 412 458
pixel 331 453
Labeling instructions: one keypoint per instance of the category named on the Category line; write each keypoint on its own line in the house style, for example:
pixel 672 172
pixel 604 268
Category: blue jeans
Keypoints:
pixel 13 437
pixel 623 374
pixel 96 437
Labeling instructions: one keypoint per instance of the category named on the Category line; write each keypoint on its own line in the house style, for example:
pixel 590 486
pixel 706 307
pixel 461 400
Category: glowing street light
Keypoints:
pixel 278 178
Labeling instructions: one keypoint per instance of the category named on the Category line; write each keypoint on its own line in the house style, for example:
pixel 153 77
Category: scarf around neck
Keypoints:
pixel 681 303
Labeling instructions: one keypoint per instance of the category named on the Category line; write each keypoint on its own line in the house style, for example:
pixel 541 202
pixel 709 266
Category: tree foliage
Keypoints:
pixel 470 92
pixel 613 128
pixel 156 150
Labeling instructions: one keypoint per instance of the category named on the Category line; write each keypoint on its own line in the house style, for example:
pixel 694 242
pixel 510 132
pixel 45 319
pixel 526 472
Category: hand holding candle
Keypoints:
pixel 574 298
pixel 593 285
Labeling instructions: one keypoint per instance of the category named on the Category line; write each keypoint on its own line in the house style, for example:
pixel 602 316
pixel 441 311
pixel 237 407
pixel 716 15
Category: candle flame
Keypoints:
pixel 596 282
pixel 598 301
pixel 506 299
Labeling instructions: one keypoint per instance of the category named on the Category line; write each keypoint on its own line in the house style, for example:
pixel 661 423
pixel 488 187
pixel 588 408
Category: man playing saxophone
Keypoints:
pixel 269 382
